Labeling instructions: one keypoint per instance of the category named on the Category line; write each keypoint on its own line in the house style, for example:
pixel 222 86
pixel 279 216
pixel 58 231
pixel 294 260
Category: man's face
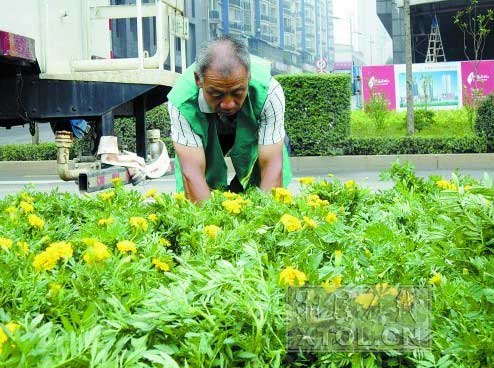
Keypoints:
pixel 225 95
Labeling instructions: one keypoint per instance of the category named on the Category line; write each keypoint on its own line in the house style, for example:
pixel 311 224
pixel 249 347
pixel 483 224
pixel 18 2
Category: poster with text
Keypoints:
pixel 435 85
pixel 477 76
pixel 379 79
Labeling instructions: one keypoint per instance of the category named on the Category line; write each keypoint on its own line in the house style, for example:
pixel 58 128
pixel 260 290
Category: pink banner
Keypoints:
pixel 477 75
pixel 379 80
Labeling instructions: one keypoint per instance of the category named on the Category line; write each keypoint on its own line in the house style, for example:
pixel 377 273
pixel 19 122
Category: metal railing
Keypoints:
pixel 170 24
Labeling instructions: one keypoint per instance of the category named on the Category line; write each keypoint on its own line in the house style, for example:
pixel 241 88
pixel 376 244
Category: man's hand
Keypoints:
pixel 271 162
pixel 193 164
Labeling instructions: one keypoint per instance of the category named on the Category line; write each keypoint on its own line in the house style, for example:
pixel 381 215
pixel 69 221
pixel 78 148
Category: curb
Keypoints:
pixel 311 164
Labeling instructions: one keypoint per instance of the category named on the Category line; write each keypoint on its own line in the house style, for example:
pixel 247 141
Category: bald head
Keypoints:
pixel 225 56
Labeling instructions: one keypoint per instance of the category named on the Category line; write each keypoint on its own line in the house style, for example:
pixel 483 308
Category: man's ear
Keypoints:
pixel 198 80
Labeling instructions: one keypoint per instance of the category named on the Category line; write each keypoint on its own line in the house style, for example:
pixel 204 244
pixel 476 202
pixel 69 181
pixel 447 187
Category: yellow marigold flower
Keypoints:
pixel 366 300
pixel 11 211
pixel 211 231
pixel 36 221
pixel 138 223
pixel 230 195
pixel 26 197
pixel 106 196
pixel 331 218
pixel 309 222
pixel 350 184
pixel 180 196
pixel 405 299
pixel 165 242
pixel 153 217
pixel 26 207
pixel 232 205
pixel 333 285
pixel 306 180
pixel 126 246
pixel 384 289
pixel 117 181
pixel 12 327
pixel 106 222
pixel 290 223
pixel 338 257
pixel 314 201
pixel 435 279
pixel 54 289
pixel 446 185
pixel 282 195
pixel 292 277
pixel 161 265
pixel 96 253
pixel 6 243
pixel 45 261
pixel 151 193
pixel 60 249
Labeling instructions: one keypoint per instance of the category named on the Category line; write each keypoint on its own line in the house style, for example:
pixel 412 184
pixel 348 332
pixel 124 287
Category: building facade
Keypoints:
pixel 292 34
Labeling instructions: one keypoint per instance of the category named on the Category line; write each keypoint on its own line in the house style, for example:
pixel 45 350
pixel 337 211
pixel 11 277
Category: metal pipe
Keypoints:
pixel 140 49
pixel 64 141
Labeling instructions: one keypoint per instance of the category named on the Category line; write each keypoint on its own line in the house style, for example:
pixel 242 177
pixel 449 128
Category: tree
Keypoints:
pixel 409 75
pixel 475 26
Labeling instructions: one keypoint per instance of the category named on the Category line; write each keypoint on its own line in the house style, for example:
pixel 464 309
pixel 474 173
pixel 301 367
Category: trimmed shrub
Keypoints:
pixel 423 118
pixel 484 122
pixel 28 152
pixel 413 145
pixel 317 116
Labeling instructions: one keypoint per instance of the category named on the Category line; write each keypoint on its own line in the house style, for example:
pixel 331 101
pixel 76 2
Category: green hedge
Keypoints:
pixel 317 117
pixel 413 145
pixel 28 152
pixel 484 122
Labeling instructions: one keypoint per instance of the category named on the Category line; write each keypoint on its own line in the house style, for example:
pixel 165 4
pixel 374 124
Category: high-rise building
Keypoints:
pixel 292 34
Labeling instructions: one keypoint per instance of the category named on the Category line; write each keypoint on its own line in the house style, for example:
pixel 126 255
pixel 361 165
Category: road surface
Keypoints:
pixel 11 183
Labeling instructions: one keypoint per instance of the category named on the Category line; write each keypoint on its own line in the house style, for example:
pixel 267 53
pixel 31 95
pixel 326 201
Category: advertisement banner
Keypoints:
pixel 435 85
pixel 477 75
pixel 379 80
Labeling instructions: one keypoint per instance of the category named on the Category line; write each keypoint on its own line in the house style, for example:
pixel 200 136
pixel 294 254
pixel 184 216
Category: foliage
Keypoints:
pixel 475 27
pixel 423 118
pixel 377 109
pixel 484 123
pixel 317 113
pixel 413 145
pixel 444 123
pixel 28 152
pixel 178 295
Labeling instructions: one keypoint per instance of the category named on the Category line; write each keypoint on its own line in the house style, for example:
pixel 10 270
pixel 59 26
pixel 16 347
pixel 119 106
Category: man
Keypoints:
pixel 227 104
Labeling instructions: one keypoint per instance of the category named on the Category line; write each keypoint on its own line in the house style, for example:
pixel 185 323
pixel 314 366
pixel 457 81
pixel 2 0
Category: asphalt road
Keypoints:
pixel 11 183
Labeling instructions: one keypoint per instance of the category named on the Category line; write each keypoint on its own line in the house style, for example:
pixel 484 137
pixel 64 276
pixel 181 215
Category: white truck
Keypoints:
pixel 57 64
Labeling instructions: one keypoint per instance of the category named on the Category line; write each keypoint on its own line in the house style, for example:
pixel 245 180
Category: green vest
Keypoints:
pixel 244 153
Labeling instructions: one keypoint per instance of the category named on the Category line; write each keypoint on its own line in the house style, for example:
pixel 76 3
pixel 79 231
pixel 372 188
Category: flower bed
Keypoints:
pixel 118 279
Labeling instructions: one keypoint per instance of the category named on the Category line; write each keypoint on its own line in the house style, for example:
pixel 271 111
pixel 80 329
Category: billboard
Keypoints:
pixel 379 79
pixel 477 75
pixel 435 85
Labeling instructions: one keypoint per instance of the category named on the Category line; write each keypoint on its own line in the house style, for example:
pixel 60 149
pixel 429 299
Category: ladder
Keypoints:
pixel 435 50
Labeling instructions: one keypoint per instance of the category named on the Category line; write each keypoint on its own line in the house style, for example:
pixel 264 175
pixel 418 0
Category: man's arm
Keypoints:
pixel 271 163
pixel 193 164
pixel 271 135
pixel 190 152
